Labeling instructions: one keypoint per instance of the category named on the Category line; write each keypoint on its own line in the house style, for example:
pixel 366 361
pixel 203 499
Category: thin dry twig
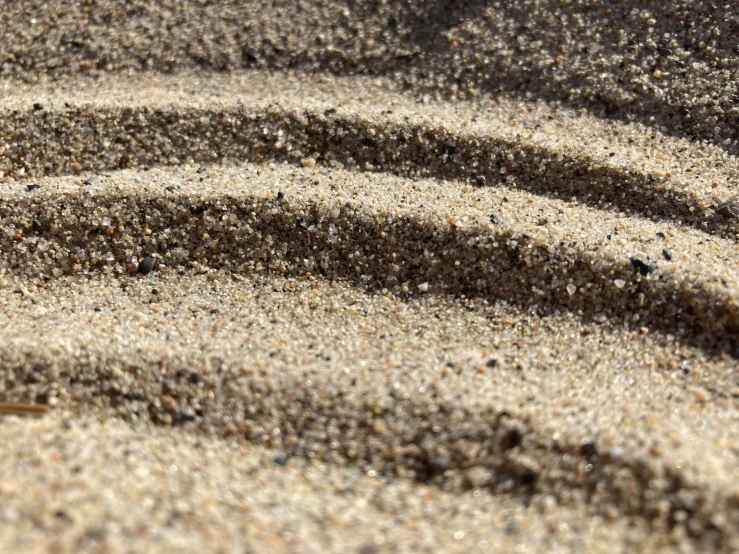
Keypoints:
pixel 22 409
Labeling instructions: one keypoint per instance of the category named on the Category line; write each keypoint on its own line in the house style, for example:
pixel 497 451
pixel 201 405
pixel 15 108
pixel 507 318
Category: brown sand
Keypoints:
pixel 388 298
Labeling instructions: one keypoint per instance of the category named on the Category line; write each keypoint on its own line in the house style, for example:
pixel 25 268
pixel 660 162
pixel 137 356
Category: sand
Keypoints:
pixel 415 277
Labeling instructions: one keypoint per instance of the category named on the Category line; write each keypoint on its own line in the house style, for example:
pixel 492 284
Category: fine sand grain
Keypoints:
pixel 396 277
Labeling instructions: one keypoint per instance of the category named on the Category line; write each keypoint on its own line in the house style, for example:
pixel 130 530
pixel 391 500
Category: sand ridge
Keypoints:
pixel 394 278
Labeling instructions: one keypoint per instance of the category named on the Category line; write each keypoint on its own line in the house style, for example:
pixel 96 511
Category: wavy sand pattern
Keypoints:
pixel 390 277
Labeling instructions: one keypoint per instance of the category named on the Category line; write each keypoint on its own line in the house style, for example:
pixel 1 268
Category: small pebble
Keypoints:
pixel 280 458
pixel 147 265
pixel 641 267
pixel 440 463
pixel 169 404
pixel 729 209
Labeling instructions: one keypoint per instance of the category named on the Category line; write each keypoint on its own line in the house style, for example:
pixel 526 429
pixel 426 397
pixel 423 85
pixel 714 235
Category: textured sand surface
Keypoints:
pixel 404 277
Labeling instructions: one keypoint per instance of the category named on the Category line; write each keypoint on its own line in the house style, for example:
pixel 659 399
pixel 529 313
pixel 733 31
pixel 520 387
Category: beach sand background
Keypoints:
pixel 330 276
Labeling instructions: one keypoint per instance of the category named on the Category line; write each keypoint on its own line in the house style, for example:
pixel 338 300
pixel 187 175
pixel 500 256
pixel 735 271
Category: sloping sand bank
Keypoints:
pixel 311 298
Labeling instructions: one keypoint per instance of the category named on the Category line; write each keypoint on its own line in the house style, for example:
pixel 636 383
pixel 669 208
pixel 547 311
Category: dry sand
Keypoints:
pixel 404 277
